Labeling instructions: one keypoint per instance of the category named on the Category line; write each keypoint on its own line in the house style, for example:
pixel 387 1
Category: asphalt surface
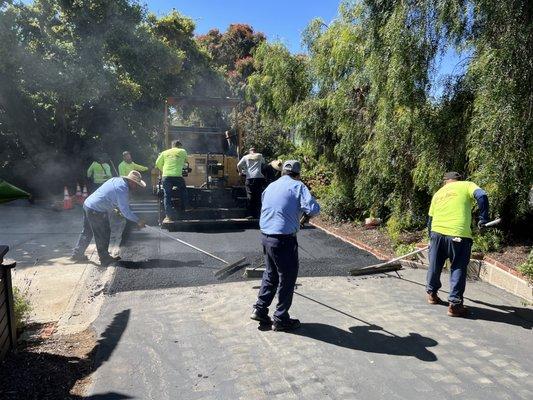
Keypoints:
pixel 153 261
pixel 169 330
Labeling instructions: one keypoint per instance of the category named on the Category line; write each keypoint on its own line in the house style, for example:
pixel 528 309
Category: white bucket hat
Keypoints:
pixel 276 164
pixel 135 176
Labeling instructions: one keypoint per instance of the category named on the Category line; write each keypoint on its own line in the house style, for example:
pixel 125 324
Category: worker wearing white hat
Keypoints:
pixel 113 194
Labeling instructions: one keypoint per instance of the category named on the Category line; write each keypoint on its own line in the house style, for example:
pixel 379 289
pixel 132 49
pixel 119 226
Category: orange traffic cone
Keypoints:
pixel 79 198
pixel 84 195
pixel 67 200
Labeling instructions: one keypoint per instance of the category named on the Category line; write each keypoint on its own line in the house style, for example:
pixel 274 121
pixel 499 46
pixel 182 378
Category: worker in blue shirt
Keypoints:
pixel 114 193
pixel 284 202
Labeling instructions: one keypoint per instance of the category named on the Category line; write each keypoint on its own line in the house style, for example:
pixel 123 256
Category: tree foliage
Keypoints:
pixel 371 111
pixel 78 77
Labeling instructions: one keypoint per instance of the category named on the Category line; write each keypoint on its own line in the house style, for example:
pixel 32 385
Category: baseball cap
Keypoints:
pixel 292 166
pixel 452 175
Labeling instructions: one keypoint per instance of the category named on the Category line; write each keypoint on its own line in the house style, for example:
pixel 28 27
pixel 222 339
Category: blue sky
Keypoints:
pixel 279 20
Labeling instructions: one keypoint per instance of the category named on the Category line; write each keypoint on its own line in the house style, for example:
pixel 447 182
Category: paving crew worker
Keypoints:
pixel 450 217
pixel 170 162
pixel 99 171
pixel 127 165
pixel 272 171
pixel 251 165
pixel 284 201
pixel 114 193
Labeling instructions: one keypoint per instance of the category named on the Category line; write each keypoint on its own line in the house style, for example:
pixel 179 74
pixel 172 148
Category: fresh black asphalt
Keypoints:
pixel 153 261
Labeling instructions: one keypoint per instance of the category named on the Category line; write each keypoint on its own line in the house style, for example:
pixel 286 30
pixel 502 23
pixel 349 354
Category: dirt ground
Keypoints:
pixel 48 367
pixel 511 255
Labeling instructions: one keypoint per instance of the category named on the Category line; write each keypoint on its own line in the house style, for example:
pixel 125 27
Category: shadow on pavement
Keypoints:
pixel 510 315
pixel 367 339
pixel 43 371
pixel 107 396
pixel 161 263
pixel 519 316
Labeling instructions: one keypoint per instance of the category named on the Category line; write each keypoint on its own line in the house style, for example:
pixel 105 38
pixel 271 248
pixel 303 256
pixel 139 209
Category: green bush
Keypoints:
pixel 485 242
pixel 336 203
pixel 403 248
pixel 527 268
pixel 22 308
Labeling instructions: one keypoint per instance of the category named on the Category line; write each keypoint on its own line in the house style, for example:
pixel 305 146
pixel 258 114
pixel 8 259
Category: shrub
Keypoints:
pixel 527 268
pixel 22 308
pixel 402 249
pixel 485 242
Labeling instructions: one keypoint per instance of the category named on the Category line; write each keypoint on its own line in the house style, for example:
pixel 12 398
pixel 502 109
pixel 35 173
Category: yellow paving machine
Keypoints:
pixel 215 188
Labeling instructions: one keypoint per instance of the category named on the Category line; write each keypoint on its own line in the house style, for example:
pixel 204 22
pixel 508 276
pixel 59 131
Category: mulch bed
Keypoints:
pixel 57 367
pixel 511 256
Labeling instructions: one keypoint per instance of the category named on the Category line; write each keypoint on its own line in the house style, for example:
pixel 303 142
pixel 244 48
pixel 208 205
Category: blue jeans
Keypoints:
pixel 94 224
pixel 443 247
pixel 281 269
pixel 168 183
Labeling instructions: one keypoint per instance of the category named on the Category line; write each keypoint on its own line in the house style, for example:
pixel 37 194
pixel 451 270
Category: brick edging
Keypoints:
pixel 382 256
pixel 360 245
pixel 499 264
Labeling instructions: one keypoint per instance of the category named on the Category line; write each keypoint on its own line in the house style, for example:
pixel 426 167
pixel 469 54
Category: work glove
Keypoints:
pixel 141 224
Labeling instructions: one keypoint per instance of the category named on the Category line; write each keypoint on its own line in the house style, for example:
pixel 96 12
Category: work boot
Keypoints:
pixel 260 316
pixel 106 262
pixel 457 310
pixel 168 220
pixel 289 325
pixel 433 298
pixel 79 258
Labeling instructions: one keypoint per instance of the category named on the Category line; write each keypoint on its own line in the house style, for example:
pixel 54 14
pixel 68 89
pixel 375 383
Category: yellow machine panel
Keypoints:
pixel 198 175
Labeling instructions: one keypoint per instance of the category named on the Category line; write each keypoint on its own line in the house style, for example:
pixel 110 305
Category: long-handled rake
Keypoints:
pixel 220 274
pixel 395 265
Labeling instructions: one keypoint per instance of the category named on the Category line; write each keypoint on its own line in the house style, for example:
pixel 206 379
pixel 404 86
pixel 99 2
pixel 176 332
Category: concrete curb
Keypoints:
pixel 84 305
pixel 487 270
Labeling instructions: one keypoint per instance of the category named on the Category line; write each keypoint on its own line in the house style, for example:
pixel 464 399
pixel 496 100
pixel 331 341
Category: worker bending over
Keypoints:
pixel 450 217
pixel 284 201
pixel 170 162
pixel 99 171
pixel 251 165
pixel 114 193
pixel 127 165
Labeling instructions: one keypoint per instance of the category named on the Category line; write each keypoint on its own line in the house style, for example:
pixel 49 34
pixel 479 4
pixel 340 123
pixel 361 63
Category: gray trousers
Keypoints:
pixel 95 224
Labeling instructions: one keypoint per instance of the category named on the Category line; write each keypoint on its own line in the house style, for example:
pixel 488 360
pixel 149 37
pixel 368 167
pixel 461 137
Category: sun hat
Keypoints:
pixel 135 176
pixel 292 166
pixel 277 164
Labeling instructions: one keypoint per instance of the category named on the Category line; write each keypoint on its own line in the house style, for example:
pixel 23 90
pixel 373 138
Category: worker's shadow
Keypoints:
pixel 162 263
pixel 500 313
pixel 367 338
pixel 508 315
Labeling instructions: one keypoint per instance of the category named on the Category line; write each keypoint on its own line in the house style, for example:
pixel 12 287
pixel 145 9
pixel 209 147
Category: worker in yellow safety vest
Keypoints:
pixel 127 165
pixel 99 171
pixel 170 162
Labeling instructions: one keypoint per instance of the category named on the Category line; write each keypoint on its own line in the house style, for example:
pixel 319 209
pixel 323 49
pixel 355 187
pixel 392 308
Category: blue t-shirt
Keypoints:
pixel 284 201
